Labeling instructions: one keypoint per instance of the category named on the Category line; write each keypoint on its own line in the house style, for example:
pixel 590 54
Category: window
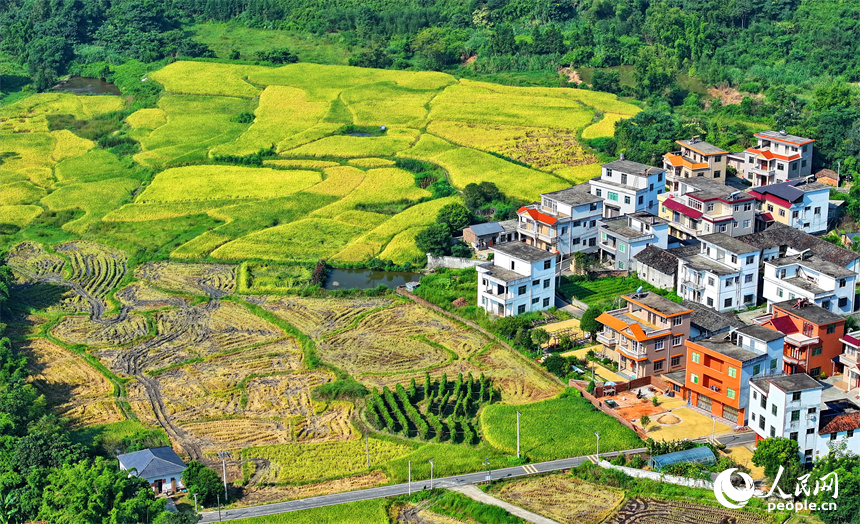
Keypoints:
pixel 658 366
pixel 546 302
pixel 710 302
pixel 769 208
pixel 763 402
pixel 651 187
pixel 773 364
pixel 723 228
pixel 547 264
pixel 748 278
pixel 609 173
pixel 677 321
pixel 803 162
pixel 773 409
pixel 546 283
pixel 779 291
pixel 748 206
pixel 780 166
pixel 730 393
pixel 772 431
pixel 795 214
pixel 811 411
pixel 717 173
pixel 727 302
pixel 677 340
pixel 521 309
pixel 810 431
pixel 817 351
pixel 658 345
pixel 833 436
pixel 842 282
pixel 694 378
pixel 843 301
pixel 624 179
pixel 831 329
pixel 622 247
pixel 761 423
pixel 521 290
pixel 733 372
pixel 734 259
pixel 746 225
pixel 757 370
pixel 513 265
pixel 641 199
pixel 711 281
pixel 564 230
pixel 710 207
pixel 575 242
pixel 695 357
pixel 535 282
pixel 660 177
pixel 676 361
pixel 621 265
pixel 850 433
pixel 782 212
pixel 535 300
pixel 598 192
pixel 626 199
pixel 815 371
pixel 793 435
pixel 612 196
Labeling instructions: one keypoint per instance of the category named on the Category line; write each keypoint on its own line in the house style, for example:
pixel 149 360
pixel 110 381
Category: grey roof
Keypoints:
pixel 633 168
pixel 804 284
pixel 820 265
pixel 660 304
pixel 709 320
pixel 658 258
pixel 509 225
pixel 789 383
pixel 785 136
pixel 490 228
pixel 721 345
pixel 703 263
pixel 575 195
pixel 503 274
pixel 791 190
pixel 731 244
pixel 648 218
pixel 678 377
pixel 702 147
pixel 619 227
pixel 815 314
pixel 522 251
pixel 153 462
pixel 784 236
pixel 760 332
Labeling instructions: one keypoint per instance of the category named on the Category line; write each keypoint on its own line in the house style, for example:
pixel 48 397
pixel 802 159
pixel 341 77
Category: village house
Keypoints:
pixel 812 336
pixel 777 157
pixel 657 266
pixel 702 206
pixel 696 158
pixel 827 176
pixel 647 336
pixel 849 361
pixel 719 369
pixel 160 467
pixel 564 221
pixel 623 237
pixel 705 322
pixel 627 187
pixel 799 203
pixel 520 279
pixel 791 406
pixel 723 275
pixel 822 283
pixel 780 240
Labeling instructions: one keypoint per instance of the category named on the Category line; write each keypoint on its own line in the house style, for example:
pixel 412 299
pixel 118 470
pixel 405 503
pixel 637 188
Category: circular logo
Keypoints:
pixel 730 496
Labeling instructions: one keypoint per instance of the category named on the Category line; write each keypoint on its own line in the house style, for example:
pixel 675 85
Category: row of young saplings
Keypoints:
pixel 439 409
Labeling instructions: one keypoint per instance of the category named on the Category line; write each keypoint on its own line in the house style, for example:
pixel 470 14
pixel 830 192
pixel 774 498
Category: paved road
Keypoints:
pixel 445 482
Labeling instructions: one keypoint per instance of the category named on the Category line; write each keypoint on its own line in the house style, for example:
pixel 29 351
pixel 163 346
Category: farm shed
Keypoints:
pixel 161 467
pixel 697 455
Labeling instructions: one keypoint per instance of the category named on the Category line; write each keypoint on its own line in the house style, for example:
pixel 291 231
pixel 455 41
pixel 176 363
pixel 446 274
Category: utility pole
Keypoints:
pixel 431 473
pixel 367 449
pixel 223 455
pixel 714 428
pixel 597 434
pixel 518 434
pixel 410 477
pixel 489 475
pixel 195 503
pixel 218 498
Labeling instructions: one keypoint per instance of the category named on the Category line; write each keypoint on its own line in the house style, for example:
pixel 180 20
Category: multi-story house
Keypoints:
pixel 798 203
pixel 780 240
pixel 822 283
pixel 647 337
pixel 702 206
pixel 812 336
pixel 623 237
pixel 723 275
pixel 791 406
pixel 696 158
pixel 565 221
pixel 777 158
pixel 627 187
pixel 849 360
pixel 719 370
pixel 520 279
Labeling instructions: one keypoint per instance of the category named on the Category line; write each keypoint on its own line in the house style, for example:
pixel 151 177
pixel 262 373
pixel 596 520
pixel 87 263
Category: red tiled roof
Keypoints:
pixel 784 325
pixel 841 422
pixel 767 217
pixel 851 340
pixel 681 208
pixel 767 154
pixel 537 215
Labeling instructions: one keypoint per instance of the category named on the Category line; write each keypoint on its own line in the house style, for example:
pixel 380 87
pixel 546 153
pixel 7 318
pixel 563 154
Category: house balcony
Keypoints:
pixel 608 244
pixel 629 352
pixel 606 340
pixel 693 284
pixel 799 340
pixel 794 358
pixel 499 296
pixel 551 239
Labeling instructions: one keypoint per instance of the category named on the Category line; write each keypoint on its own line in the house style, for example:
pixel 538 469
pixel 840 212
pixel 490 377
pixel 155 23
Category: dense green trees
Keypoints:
pixel 204 482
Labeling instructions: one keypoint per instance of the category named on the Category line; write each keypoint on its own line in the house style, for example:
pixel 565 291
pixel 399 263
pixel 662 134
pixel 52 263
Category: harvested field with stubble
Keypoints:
pixel 72 387
pixel 193 279
pixel 107 331
pixel 562 498
pixel 317 317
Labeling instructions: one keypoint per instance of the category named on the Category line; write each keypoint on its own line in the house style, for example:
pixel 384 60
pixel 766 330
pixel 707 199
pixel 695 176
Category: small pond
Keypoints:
pixel 367 278
pixel 79 85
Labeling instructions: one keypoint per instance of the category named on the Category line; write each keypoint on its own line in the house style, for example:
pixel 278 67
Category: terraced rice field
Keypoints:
pixel 297 111
pixel 562 498
pixel 648 511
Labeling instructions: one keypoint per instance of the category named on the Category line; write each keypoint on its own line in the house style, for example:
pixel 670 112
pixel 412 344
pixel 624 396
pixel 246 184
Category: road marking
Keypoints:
pixel 530 469
pixel 593 458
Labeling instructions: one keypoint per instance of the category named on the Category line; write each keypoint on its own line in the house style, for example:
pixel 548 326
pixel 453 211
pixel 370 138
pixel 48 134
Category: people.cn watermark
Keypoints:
pixel 737 497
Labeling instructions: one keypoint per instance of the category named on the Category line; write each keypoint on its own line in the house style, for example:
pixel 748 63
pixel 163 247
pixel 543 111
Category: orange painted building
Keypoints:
pixel 812 336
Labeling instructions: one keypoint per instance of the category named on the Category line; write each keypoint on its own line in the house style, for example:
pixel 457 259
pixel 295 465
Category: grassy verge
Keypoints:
pixel 605 292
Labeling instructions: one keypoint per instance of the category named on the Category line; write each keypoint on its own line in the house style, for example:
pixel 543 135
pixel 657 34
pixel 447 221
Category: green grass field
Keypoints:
pixel 308 201
pixel 605 292
pixel 554 429
pixel 365 512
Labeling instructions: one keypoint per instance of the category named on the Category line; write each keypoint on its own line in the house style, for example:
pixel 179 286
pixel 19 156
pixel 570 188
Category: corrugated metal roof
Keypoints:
pixel 699 455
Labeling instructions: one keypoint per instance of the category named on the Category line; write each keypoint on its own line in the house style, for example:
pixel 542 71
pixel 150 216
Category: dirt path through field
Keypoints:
pixel 475 494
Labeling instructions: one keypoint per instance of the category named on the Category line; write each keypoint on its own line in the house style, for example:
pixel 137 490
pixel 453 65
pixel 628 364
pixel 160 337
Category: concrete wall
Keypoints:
pixel 451 262
pixel 653 475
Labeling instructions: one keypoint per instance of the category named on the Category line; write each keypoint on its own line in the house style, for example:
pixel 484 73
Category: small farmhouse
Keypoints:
pixel 161 467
